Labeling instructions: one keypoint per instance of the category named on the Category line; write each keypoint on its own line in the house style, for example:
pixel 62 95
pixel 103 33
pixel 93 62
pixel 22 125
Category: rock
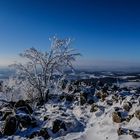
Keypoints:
pixel 98 95
pixel 23 109
pixel 77 90
pixel 1 113
pixel 76 83
pixel 94 108
pixel 69 98
pixel 63 84
pixel 34 122
pixel 109 102
pixel 116 117
pixel 22 103
pixel 135 136
pixel 117 109
pixel 137 114
pixel 90 102
pixel 103 96
pixel 82 100
pixel 115 98
pixel 57 125
pixel 33 134
pixel 11 125
pixel 1 134
pixel 121 131
pixel 40 102
pixel 12 104
pixel 130 131
pixel 6 114
pixel 129 118
pixel 84 94
pixel 44 133
pixel 64 115
pixel 26 121
pixel 115 87
pixel 70 88
pixel 105 88
pixel 100 84
pixel 61 97
pixel 46 117
pixel 127 106
pixel 54 106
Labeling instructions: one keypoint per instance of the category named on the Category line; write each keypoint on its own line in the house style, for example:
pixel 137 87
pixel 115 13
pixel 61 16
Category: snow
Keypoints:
pixel 101 127
pixel 126 77
pixel 83 124
pixel 130 84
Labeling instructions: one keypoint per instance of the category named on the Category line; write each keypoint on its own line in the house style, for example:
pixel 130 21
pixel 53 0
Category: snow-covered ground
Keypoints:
pixel 80 123
pixel 130 84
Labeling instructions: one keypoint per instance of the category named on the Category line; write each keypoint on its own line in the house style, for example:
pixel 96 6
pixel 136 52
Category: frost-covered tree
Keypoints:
pixel 38 75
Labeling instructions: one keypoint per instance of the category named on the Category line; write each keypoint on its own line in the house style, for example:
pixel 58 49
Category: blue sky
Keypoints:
pixel 106 32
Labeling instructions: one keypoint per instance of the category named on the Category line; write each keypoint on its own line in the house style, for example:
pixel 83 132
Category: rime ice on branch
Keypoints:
pixel 37 75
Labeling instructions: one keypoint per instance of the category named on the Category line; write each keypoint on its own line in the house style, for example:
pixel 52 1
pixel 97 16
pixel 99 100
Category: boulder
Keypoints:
pixel 127 106
pixel 137 114
pixel 116 117
pixel 23 109
pixel 103 96
pixel 1 134
pixel 129 117
pixel 115 98
pixel 105 88
pixel 82 100
pixel 100 84
pixel 1 113
pixel 46 117
pixel 64 115
pixel 26 121
pixel 43 133
pixel 40 102
pixel 109 102
pixel 70 88
pixel 62 96
pixel 33 135
pixel 90 101
pixel 22 103
pixel 84 94
pixel 34 122
pixel 117 109
pixel 9 104
pixel 6 113
pixel 57 125
pixel 11 125
pixel 115 87
pixel 98 95
pixel 94 108
pixel 121 131
pixel 69 98
pixel 135 135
